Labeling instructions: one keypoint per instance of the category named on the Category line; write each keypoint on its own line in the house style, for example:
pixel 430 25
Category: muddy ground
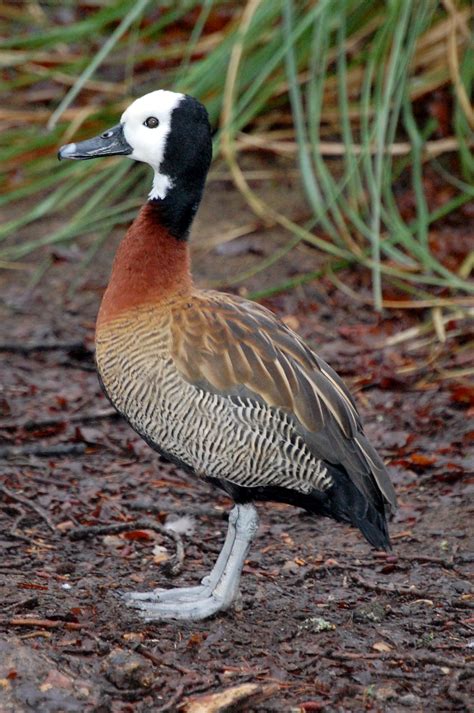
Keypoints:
pixel 325 623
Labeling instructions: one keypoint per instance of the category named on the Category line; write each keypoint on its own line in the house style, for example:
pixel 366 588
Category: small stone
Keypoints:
pixel 373 612
pixel 462 586
pixel 128 670
pixel 409 700
pixel 385 693
pixel 184 525
pixel 65 568
pixel 291 567
pixel 55 679
pixel 65 525
pixel 113 541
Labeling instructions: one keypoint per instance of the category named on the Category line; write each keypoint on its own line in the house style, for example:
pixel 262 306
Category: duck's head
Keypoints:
pixel 167 130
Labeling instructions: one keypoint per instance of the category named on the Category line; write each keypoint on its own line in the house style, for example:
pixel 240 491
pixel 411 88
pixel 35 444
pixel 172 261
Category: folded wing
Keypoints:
pixel 234 347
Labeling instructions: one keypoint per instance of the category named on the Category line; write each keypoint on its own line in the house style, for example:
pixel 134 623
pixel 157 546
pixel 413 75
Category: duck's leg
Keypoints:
pixel 218 590
pixel 207 583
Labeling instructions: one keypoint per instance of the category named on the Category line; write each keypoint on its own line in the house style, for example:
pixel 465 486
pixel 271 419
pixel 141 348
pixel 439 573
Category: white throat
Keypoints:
pixel 161 186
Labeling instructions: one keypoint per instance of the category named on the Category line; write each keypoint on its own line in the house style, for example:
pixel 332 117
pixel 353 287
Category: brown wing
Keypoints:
pixel 232 346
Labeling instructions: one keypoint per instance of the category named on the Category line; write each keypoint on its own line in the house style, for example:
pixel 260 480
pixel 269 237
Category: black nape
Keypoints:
pixel 176 211
pixel 187 158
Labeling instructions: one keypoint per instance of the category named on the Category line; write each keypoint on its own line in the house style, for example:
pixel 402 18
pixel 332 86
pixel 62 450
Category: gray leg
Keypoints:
pixel 207 583
pixel 218 590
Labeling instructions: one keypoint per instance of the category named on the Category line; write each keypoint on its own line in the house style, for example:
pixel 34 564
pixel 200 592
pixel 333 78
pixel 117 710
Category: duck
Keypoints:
pixel 213 382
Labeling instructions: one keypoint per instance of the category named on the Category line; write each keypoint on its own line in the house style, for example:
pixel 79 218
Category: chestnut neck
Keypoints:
pixel 151 266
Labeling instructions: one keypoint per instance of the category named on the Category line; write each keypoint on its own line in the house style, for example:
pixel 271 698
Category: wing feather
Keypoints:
pixel 233 346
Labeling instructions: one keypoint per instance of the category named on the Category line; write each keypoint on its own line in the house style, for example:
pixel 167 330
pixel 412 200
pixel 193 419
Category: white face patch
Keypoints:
pixel 149 144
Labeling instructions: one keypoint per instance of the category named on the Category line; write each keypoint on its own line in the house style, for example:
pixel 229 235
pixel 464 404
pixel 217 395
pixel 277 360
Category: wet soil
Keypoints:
pixel 324 623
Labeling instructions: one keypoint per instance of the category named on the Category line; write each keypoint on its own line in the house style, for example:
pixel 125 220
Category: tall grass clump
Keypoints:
pixel 340 85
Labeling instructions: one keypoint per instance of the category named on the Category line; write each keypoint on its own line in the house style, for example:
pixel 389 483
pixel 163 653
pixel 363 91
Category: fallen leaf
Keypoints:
pixel 462 394
pixel 138 535
pixel 381 646
pixel 291 322
pixel 133 636
pixel 160 554
pixel 235 699
pixel 421 459
pixel 196 639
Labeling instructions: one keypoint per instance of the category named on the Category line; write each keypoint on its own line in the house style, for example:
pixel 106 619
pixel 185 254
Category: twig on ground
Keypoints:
pixel 146 653
pixel 44 347
pixel 403 675
pixel 453 692
pixel 172 704
pixel 13 531
pixel 48 422
pixel 35 635
pixel 29 503
pixel 28 449
pixel 11 545
pixel 21 603
pixel 459 604
pixel 76 364
pixel 79 651
pixel 132 695
pixel 18 536
pixel 16 566
pixel 442 661
pixel 384 589
pixel 42 623
pixel 173 567
pixel 409 657
pixel 49 480
pixel 425 559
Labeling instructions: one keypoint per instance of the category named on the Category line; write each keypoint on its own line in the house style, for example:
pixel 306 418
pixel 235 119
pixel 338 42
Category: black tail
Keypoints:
pixel 342 501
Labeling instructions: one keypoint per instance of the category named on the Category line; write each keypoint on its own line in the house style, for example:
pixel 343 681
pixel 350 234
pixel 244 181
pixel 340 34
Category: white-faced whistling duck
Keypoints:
pixel 215 383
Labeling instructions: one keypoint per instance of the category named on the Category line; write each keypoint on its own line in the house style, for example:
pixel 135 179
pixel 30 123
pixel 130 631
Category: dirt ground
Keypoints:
pixel 325 623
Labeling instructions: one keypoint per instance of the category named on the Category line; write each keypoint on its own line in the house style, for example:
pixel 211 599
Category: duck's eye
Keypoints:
pixel 152 122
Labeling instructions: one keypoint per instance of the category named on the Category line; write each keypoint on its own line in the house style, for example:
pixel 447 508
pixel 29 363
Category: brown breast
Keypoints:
pixel 150 267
